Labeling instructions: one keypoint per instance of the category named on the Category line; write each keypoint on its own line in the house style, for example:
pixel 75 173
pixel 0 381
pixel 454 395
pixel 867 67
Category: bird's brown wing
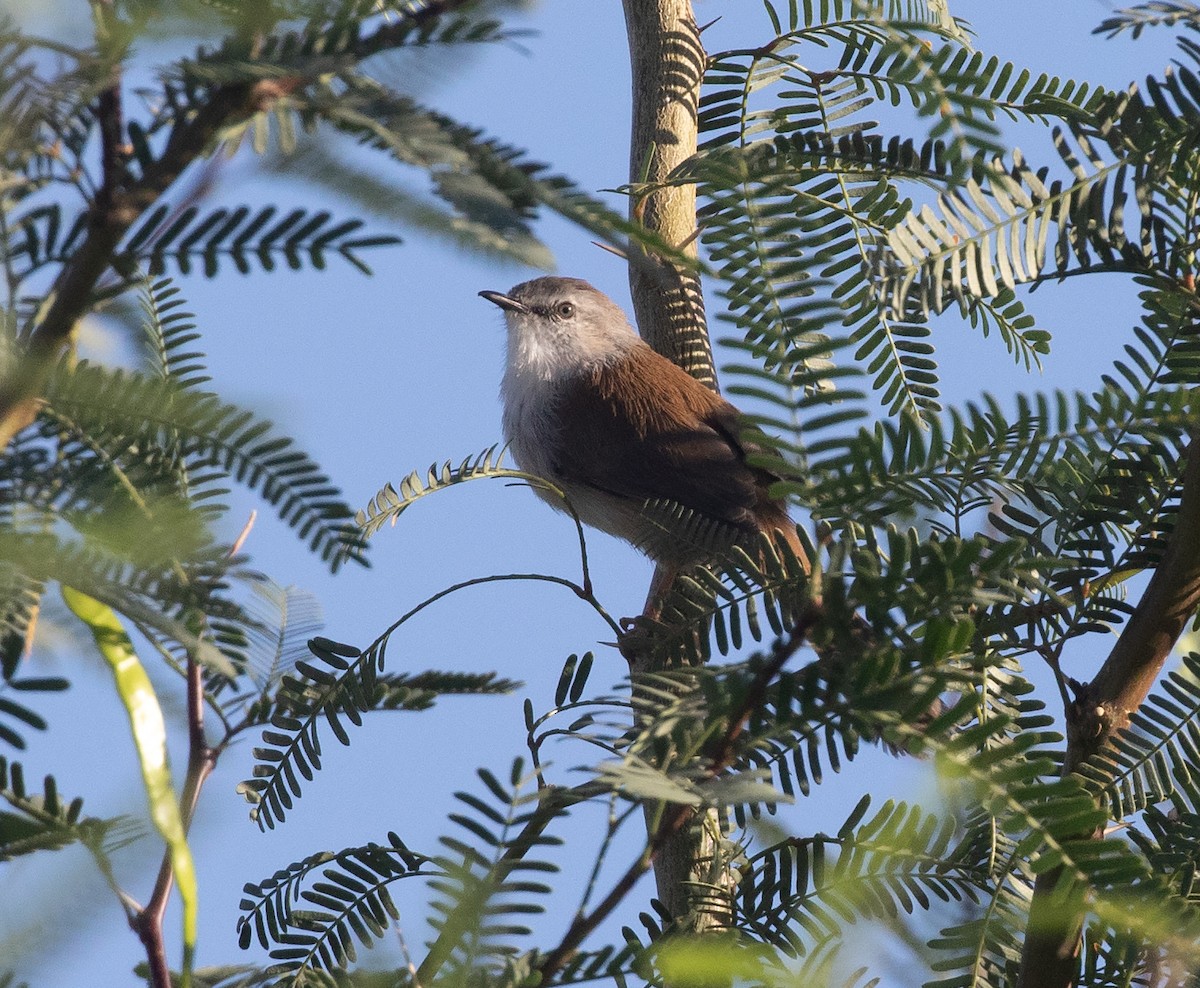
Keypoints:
pixel 675 441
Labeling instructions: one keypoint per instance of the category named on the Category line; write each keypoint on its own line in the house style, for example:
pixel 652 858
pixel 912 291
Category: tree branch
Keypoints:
pixel 1104 706
pixel 111 215
pixel 667 64
pixel 148 923
pixel 118 205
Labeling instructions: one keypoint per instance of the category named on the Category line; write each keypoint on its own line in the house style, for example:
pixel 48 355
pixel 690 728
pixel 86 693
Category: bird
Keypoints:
pixel 591 408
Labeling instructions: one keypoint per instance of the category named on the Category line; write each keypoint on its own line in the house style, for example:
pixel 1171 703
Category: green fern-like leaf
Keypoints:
pixel 1158 13
pixel 487 181
pixel 44 821
pixel 133 590
pixel 244 237
pixel 124 411
pixel 338 683
pixel 1154 759
pixel 389 504
pixel 311 913
pixel 901 859
pixel 480 903
pixel 168 332
pixel 42 236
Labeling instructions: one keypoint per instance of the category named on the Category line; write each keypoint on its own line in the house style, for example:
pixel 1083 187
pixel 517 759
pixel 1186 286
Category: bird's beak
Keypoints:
pixel 511 304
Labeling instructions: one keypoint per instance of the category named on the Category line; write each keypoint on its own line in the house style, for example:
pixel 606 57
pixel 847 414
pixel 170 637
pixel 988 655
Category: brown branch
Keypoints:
pixel 678 815
pixel 721 755
pixel 1104 706
pixel 109 219
pixel 148 923
pixel 111 119
pixel 667 63
pixel 583 924
pixel 1170 600
pixel 118 205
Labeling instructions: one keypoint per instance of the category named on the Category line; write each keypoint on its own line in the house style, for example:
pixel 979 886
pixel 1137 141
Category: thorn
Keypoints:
pixel 689 240
pixel 619 251
pixel 242 535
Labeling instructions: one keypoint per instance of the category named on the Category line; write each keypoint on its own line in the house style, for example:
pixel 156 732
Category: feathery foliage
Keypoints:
pixel 43 821
pixel 857 194
pixel 336 682
pixel 115 483
pixel 953 544
pixel 348 901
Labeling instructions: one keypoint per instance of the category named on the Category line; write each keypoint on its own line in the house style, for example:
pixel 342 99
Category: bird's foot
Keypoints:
pixel 636 638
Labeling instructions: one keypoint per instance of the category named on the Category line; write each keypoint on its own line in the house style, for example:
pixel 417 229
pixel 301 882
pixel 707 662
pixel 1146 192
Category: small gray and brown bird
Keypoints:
pixel 590 407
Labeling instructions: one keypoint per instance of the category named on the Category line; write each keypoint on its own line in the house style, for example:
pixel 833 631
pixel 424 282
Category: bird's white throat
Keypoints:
pixel 541 351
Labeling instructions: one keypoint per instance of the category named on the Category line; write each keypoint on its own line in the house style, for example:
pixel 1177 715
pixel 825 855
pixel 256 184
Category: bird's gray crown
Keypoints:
pixel 562 326
pixel 540 293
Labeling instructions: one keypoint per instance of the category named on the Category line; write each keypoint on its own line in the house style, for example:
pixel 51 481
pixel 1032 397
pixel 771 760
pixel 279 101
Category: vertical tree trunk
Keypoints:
pixel 667 60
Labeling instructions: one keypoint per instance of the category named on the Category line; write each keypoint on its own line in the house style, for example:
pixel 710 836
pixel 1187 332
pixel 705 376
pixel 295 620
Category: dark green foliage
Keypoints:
pixel 317 908
pixel 494 187
pixel 244 236
pixel 336 683
pixel 951 547
pixel 20 600
pixel 489 871
pixel 44 821
pixel 387 506
pixel 807 199
pixel 129 411
pixel 1156 13
pixel 15 715
pixel 192 240
pixel 899 859
pixel 336 34
pixel 1154 760
pixel 608 962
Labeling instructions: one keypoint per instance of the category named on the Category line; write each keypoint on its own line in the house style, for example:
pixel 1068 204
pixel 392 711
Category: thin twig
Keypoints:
pixel 201 761
pixel 721 757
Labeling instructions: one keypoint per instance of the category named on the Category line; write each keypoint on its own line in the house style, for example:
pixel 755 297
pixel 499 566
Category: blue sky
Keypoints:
pixel 379 376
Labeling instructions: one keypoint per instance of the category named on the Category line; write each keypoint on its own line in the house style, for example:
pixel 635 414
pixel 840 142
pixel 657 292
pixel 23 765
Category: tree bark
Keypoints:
pixel 1049 956
pixel 667 61
pixel 691 870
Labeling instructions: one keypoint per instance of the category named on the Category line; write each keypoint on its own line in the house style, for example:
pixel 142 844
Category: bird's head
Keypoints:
pixel 562 326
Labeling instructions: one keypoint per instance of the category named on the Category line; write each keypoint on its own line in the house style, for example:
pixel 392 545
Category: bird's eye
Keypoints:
pixel 564 310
